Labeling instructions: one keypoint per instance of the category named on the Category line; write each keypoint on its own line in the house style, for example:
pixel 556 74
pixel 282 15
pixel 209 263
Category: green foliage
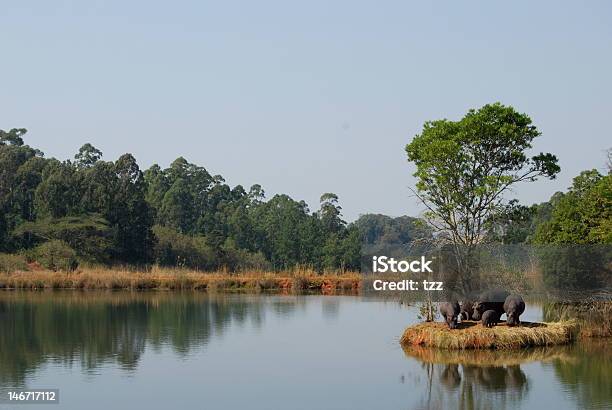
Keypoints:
pixel 237 259
pixel 465 166
pixel 87 156
pixel 130 214
pixel 10 263
pixel 330 213
pixel 382 229
pixel 463 169
pixel 583 215
pixel 12 137
pixel 88 235
pixel 56 255
pixel 176 249
pixel 180 195
pixel 515 223
pixel 58 193
pixel 105 211
pixel 573 266
pixel 573 254
pixel 20 173
pixel 288 235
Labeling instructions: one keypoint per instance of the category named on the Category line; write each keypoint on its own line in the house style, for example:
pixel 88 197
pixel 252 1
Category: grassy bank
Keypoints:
pixel 168 279
pixel 472 335
pixel 593 316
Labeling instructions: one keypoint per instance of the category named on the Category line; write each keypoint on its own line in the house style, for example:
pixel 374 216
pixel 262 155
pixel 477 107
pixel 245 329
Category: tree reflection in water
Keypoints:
pixel 93 329
pixel 116 327
pixel 494 379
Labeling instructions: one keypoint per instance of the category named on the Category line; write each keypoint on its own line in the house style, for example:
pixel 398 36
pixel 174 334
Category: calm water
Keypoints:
pixel 168 350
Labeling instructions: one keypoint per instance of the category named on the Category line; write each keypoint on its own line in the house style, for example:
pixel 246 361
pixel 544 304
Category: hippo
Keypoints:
pixel 450 313
pixel 514 306
pixel 490 300
pixel 467 310
pixel 490 318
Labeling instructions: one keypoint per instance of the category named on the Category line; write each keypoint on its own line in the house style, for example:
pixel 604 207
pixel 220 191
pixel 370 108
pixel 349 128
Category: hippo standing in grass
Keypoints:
pixel 514 306
pixel 450 313
pixel 467 309
pixel 467 306
pixel 490 300
pixel 490 318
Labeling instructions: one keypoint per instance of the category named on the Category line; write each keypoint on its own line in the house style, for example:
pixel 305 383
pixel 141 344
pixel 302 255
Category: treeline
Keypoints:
pixel 60 213
pixel 580 216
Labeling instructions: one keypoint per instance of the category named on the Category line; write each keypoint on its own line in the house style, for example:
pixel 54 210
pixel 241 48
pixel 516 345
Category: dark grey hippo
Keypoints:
pixel 450 313
pixel 467 309
pixel 490 300
pixel 490 318
pixel 514 306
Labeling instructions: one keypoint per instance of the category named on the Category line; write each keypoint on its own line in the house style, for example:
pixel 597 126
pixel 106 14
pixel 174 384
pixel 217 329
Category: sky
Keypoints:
pixel 304 97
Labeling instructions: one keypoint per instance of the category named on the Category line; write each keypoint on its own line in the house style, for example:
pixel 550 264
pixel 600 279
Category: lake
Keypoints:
pixel 163 350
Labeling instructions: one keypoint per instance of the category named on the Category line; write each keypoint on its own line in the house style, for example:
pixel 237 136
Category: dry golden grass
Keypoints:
pixel 168 279
pixel 472 335
pixel 593 316
pixel 487 357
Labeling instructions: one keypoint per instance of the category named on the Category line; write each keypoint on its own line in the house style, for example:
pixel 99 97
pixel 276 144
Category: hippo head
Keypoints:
pixel 451 321
pixel 513 319
pixel 478 310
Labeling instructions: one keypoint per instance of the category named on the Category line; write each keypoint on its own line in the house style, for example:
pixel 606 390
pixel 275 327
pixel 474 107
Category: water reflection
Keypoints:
pixel 587 372
pixel 495 379
pixel 98 328
pixel 474 379
pixel 347 357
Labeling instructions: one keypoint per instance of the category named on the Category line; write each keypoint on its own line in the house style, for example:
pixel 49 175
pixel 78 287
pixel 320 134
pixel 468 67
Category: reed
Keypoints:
pixel 472 335
pixel 179 279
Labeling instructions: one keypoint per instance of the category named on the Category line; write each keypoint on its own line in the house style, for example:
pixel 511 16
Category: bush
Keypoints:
pixel 56 255
pixel 574 267
pixel 176 249
pixel 236 259
pixel 11 263
pixel 88 235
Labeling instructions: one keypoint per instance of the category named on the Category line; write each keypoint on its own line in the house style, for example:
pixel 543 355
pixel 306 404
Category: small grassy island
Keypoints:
pixel 472 335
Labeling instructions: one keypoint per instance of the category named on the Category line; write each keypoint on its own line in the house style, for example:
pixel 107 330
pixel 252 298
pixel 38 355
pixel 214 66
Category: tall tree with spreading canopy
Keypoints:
pixel 463 169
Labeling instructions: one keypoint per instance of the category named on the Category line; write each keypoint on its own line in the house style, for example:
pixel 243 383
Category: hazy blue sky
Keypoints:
pixel 304 97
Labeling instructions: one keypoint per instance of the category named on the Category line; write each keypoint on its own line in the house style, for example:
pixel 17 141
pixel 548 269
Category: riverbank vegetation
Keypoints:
pixel 86 211
pixel 113 213
pixel 299 280
pixel 592 315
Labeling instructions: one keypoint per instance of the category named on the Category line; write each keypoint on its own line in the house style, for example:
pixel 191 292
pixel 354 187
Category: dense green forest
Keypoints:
pixel 97 211
pixel 111 212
